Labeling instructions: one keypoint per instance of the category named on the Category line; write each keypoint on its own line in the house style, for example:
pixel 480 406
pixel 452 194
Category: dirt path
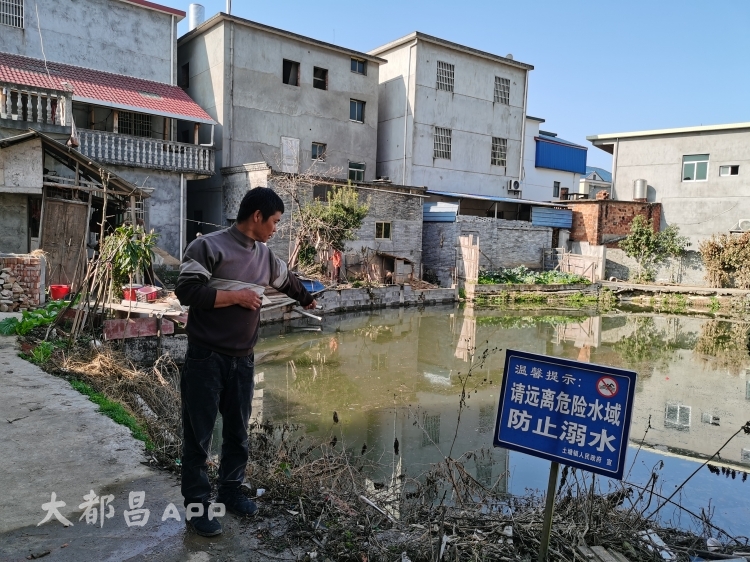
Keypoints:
pixel 54 440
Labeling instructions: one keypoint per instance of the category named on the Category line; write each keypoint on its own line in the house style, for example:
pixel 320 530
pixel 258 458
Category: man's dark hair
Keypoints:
pixel 263 199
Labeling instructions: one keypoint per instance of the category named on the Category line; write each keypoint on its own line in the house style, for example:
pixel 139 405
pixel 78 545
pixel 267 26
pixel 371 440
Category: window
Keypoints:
pixel 695 167
pixel 357 111
pixel 359 66
pixel 184 74
pixel 11 13
pixel 729 170
pixel 320 192
pixel 431 430
pixel 502 90
pixel 707 417
pixel 291 73
pixel 677 416
pixel 320 78
pixel 556 189
pixel 382 231
pixel 445 76
pixel 136 124
pixel 357 171
pixel 319 151
pixel 442 143
pixel 499 151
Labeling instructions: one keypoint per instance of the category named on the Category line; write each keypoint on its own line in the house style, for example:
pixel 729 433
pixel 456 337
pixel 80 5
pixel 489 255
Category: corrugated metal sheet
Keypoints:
pixel 439 212
pixel 556 218
pixel 560 157
pixel 499 199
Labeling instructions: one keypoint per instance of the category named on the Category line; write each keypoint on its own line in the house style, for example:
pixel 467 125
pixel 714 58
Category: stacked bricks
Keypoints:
pixel 21 278
pixel 607 222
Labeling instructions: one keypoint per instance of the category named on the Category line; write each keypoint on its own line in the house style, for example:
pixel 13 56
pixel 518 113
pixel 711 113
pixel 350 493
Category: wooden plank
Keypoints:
pixel 587 553
pixel 135 328
pixel 617 556
pixel 603 555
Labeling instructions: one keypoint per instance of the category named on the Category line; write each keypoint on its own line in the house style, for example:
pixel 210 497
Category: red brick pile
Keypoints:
pixel 20 282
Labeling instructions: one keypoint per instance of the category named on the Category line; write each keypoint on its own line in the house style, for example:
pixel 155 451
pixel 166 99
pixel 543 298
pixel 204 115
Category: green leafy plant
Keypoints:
pixel 129 249
pixel 31 319
pixel 523 276
pixel 713 304
pixel 650 247
pixel 42 353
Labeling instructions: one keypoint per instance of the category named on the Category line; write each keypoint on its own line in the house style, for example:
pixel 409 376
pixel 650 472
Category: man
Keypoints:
pixel 222 279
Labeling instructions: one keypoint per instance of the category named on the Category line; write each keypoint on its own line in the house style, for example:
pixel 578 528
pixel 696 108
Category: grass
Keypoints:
pixel 115 411
pixel 714 305
pixel 579 300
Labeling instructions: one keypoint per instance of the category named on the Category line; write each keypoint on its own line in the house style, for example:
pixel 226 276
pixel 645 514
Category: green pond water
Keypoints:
pixel 383 370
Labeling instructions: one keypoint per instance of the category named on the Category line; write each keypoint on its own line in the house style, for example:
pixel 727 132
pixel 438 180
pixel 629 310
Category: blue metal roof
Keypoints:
pixel 561 141
pixel 556 155
pixel 556 218
pixel 604 174
pixel 439 212
pixel 493 198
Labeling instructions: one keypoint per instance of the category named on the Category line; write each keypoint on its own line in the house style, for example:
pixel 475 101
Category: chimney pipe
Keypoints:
pixel 229 6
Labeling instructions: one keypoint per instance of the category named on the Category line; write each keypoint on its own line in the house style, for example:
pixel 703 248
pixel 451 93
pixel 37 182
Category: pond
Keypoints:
pixel 395 374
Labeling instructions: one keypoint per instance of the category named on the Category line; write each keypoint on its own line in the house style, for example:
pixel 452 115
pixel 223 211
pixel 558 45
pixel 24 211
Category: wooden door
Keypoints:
pixel 467 259
pixel 64 227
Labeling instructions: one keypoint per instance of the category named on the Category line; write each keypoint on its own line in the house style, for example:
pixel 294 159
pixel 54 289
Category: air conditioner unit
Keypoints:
pixel 514 185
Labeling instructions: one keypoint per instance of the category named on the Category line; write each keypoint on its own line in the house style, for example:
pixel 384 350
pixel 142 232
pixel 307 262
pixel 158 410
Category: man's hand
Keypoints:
pixel 313 305
pixel 246 298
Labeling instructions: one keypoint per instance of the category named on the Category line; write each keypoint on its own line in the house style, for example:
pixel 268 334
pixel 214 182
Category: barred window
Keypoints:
pixel 318 151
pixel 11 13
pixel 502 90
pixel 499 151
pixel 445 76
pixel 357 171
pixel 136 124
pixel 442 145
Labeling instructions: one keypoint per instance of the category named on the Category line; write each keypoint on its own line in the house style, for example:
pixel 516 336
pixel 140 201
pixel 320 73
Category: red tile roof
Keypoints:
pixel 102 88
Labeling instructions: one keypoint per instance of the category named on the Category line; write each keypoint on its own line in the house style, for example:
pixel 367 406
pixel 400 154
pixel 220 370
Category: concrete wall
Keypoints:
pixel 469 111
pixel 14 223
pixel 163 207
pixel 239 83
pixel 109 35
pixel 501 244
pixel 688 270
pixel 699 208
pixel 21 168
pixel 538 183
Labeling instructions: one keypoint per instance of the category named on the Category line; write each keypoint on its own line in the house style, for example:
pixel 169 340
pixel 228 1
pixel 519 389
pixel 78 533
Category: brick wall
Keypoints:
pixel 502 243
pixel 21 282
pixel 607 222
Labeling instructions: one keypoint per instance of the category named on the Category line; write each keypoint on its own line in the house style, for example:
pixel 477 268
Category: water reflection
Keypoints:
pixel 394 375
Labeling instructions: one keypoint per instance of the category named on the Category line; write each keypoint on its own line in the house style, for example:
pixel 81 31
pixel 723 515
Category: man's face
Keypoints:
pixel 264 229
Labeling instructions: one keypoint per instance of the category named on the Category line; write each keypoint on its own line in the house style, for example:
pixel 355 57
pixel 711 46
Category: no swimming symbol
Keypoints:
pixel 607 387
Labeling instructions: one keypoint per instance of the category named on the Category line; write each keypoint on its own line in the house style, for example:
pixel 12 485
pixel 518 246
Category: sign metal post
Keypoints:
pixel 549 509
pixel 567 412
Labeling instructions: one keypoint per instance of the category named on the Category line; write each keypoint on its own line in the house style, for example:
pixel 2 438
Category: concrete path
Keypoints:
pixel 54 440
pixel 702 291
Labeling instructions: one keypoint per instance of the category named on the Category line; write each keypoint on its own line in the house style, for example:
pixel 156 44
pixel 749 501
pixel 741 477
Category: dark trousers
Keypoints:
pixel 212 382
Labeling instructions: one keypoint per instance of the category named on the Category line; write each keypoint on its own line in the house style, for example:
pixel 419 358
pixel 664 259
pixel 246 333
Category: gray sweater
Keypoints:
pixel 228 260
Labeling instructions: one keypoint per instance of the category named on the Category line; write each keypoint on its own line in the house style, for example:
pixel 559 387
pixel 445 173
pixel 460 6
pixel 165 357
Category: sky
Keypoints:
pixel 599 66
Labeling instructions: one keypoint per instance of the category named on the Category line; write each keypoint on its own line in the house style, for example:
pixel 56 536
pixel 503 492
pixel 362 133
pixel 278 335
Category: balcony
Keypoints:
pixel 44 109
pixel 143 152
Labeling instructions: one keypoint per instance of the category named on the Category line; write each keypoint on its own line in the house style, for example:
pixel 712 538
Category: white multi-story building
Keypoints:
pixel 450 117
